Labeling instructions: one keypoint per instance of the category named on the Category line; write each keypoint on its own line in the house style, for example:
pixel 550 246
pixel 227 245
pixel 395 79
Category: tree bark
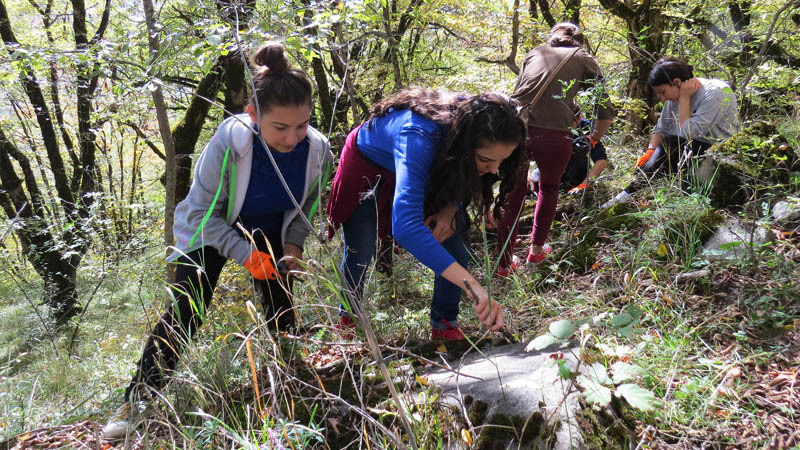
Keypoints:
pixel 55 251
pixel 163 127
pixel 187 132
pixel 318 69
pixel 645 25
pixel 235 84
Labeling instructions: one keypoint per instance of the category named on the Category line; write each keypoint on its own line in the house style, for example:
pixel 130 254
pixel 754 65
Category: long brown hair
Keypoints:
pixel 478 121
pixel 433 104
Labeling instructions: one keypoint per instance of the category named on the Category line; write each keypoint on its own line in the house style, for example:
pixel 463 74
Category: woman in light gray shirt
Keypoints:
pixel 698 112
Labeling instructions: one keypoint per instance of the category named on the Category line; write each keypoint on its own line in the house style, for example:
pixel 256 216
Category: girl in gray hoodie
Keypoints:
pixel 238 208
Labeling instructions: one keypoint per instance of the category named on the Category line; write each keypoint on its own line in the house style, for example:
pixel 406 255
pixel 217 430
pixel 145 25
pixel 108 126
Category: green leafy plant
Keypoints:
pixel 597 383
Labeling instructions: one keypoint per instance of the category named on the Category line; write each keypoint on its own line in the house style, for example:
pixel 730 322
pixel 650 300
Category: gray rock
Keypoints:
pixel 733 239
pixel 786 214
pixel 510 384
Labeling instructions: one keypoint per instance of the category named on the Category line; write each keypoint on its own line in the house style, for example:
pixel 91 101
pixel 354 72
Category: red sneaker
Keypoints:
pixel 504 272
pixel 346 327
pixel 535 259
pixel 450 333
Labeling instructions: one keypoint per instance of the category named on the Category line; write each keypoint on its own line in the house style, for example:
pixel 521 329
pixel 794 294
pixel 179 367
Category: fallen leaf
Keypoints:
pixel 466 436
pixel 422 380
pixel 441 348
pixel 720 413
pixel 334 424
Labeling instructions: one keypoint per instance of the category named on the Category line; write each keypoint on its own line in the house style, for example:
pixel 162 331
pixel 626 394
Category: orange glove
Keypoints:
pixel 645 157
pixel 577 189
pixel 260 266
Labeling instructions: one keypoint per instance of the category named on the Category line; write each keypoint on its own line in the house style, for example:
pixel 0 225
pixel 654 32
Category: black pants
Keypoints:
pixel 577 171
pixel 667 158
pixel 196 276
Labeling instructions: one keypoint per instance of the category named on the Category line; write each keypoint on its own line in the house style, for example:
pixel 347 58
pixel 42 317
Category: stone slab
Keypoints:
pixel 513 382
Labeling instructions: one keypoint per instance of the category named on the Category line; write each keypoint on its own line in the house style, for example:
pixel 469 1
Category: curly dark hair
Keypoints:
pixel 433 104
pixel 478 121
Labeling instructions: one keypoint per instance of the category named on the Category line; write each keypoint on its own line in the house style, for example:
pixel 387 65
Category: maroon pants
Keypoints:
pixel 551 150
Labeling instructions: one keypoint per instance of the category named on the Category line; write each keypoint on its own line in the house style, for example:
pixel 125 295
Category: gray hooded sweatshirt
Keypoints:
pixel 221 175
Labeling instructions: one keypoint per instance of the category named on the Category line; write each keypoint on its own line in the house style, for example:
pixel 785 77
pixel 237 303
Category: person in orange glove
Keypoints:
pixel 554 73
pixel 578 175
pixel 698 112
pixel 237 208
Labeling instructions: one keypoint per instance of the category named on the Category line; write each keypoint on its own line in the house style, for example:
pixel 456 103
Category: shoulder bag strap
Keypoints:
pixel 526 109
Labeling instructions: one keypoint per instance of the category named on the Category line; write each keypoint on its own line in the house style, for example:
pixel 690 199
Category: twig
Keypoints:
pixel 86 308
pixel 384 346
pixel 506 334
pixel 766 43
pixel 13 221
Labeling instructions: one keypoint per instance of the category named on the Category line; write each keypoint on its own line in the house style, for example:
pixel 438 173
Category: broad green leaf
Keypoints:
pixel 621 372
pixel 622 319
pixel 635 311
pixel 599 373
pixel 563 369
pixel 615 350
pixel 594 392
pixel 637 396
pixel 562 329
pixel 541 342
pixel 626 331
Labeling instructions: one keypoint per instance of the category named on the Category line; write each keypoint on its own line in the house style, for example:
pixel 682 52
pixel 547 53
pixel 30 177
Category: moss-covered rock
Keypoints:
pixel 504 429
pixel 753 161
pixel 686 233
pixel 608 428
pixel 581 253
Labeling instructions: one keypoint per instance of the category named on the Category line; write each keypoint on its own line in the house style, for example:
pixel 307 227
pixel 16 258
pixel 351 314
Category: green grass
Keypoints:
pixel 705 345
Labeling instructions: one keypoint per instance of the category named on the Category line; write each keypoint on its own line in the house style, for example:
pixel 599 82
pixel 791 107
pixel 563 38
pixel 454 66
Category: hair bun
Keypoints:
pixel 272 57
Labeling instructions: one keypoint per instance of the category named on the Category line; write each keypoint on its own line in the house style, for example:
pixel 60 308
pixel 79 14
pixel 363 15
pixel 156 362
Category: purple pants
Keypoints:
pixel 551 150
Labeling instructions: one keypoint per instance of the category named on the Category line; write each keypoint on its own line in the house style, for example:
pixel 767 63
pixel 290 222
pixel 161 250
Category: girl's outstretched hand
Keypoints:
pixel 489 311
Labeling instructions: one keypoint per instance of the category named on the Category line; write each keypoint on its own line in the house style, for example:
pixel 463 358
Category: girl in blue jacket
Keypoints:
pixel 413 170
pixel 237 208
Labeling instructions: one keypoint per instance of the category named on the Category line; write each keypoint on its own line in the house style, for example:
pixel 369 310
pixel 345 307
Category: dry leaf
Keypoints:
pixel 466 436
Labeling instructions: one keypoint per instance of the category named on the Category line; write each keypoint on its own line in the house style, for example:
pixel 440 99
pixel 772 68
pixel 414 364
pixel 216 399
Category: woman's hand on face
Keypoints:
pixel 442 222
pixel 489 311
pixel 292 254
pixel 688 88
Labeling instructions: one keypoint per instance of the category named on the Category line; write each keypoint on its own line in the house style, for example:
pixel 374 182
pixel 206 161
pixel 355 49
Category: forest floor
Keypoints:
pixel 719 351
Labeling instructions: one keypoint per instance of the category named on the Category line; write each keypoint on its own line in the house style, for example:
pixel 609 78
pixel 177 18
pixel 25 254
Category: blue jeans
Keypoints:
pixel 360 238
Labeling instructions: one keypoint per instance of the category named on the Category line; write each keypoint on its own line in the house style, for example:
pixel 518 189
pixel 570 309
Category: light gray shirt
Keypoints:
pixel 714 114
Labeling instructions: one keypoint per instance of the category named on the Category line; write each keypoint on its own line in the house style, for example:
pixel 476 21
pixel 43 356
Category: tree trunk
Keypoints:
pixel 235 86
pixel 187 132
pixel 55 251
pixel 164 129
pixel 646 40
pixel 318 69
